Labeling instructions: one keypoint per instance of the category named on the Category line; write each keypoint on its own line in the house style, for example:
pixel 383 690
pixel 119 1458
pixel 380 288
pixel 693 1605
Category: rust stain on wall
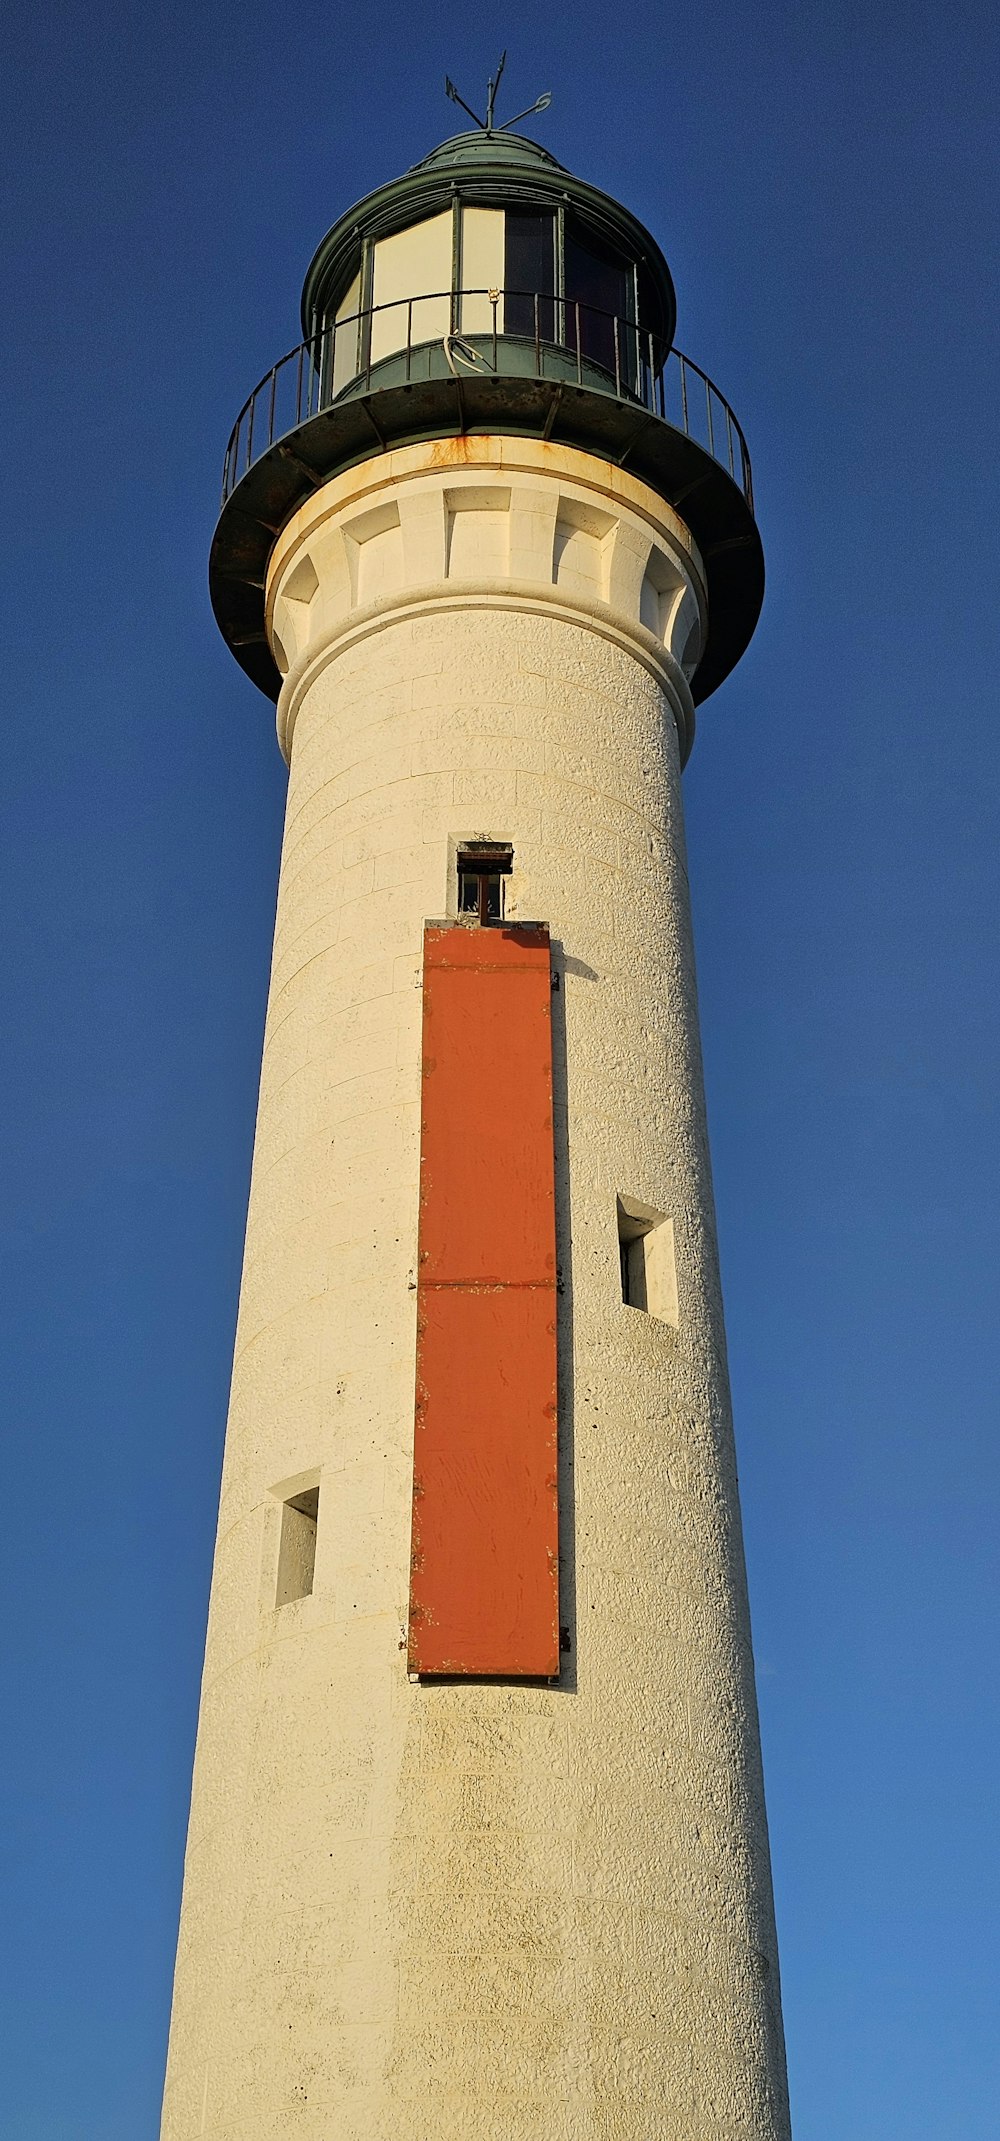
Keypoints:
pixel 484 1580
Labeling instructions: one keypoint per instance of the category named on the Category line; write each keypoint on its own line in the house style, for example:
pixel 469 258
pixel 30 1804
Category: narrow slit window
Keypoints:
pixel 483 868
pixel 297 1547
pixel 646 1262
pixel 632 1257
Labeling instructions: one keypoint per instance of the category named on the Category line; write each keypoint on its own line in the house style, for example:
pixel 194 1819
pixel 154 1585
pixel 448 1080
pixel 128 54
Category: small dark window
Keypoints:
pixel 482 868
pixel 297 1547
pixel 646 1260
pixel 632 1251
pixel 529 273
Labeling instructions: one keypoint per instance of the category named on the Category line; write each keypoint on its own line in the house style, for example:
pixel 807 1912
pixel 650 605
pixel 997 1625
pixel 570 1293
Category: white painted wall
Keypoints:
pixel 477 1912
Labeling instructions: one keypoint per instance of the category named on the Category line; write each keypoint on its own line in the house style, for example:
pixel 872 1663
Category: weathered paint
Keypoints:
pixel 484 1583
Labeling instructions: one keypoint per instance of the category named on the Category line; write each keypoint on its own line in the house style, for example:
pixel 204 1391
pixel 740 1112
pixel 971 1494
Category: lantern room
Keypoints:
pixel 488 241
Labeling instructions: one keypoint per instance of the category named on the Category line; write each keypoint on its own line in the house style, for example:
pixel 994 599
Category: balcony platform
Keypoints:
pixel 535 391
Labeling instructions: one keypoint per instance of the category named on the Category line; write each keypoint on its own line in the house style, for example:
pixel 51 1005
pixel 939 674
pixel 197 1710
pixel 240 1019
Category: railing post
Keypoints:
pixel 270 408
pixel 684 395
pixel 409 336
pixel 618 369
pixel 579 348
pixel 708 405
pixel 250 418
pixel 538 345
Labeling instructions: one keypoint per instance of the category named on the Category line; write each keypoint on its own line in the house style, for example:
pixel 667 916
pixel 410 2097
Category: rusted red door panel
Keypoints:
pixel 484 1585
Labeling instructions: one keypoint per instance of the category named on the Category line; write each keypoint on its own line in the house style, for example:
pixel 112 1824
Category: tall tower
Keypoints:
pixel 477 1842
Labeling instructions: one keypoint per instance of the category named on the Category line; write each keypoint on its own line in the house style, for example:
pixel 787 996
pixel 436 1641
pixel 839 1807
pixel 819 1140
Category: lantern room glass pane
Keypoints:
pixel 346 338
pixel 597 284
pixel 482 269
pixel 411 291
pixel 530 272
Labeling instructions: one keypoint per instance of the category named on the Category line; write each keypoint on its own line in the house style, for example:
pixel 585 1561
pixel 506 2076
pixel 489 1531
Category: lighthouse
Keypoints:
pixel 477 1846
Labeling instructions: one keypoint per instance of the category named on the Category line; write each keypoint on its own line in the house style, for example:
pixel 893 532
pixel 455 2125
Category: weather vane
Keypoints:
pixel 541 103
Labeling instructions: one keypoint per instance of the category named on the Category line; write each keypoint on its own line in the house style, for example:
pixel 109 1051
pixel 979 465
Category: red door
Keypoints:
pixel 484 1585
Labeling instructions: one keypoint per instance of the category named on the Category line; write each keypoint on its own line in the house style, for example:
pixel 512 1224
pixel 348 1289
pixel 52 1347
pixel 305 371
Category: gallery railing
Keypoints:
pixel 510 333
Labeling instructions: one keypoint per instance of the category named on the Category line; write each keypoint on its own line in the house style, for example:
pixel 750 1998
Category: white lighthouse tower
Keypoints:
pixel 477 1848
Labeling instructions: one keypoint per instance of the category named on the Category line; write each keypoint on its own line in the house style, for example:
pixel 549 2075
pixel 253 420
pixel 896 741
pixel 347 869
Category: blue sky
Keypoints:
pixel 822 182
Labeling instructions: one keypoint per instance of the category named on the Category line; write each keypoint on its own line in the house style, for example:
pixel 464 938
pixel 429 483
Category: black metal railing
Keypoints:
pixel 531 336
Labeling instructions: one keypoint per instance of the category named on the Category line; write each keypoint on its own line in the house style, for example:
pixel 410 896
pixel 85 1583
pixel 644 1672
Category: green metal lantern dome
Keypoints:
pixel 488 290
pixel 495 145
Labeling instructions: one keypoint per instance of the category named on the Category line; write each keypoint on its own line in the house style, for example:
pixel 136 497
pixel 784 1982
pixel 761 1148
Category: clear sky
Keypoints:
pixel 822 179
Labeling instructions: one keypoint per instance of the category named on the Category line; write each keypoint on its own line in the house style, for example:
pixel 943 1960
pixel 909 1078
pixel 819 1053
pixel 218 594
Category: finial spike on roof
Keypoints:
pixel 491 92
